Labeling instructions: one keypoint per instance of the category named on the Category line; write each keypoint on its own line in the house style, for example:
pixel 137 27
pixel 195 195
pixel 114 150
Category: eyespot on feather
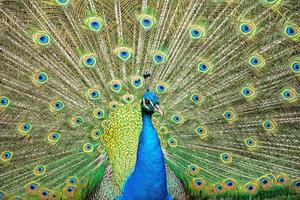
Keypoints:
pixel 76 121
pixel 41 38
pixel 6 156
pixel 146 21
pixel 24 128
pixel 4 102
pixel 39 170
pixel 226 158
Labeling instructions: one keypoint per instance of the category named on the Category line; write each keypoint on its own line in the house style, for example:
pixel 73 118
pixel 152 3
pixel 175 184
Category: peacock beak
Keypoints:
pixel 157 109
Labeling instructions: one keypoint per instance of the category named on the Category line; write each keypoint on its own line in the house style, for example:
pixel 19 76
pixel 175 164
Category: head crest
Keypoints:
pixel 146 76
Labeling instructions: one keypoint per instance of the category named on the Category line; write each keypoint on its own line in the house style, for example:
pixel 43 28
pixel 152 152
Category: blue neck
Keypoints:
pixel 148 180
pixel 149 149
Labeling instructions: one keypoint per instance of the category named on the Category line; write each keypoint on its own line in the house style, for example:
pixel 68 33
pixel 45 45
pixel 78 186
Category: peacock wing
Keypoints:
pixel 121 140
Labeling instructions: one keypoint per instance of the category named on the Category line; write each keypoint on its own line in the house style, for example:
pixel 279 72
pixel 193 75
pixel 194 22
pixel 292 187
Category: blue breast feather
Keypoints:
pixel 148 179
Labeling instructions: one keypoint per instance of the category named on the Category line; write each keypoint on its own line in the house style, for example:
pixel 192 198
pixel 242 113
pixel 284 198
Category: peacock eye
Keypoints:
pixel 147 101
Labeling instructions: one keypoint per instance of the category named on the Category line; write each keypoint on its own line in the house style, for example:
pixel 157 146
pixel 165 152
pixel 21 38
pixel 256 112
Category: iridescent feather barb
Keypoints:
pixel 72 81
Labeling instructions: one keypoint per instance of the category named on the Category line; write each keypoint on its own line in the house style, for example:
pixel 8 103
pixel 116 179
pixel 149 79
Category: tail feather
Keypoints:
pixel 106 189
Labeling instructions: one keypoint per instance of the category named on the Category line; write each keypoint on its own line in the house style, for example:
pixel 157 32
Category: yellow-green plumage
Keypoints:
pixel 121 139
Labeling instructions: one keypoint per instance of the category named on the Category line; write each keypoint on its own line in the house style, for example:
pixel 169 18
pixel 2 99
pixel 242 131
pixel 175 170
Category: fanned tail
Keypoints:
pixel 226 72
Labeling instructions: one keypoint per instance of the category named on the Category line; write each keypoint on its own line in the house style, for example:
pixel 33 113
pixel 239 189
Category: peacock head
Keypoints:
pixel 150 103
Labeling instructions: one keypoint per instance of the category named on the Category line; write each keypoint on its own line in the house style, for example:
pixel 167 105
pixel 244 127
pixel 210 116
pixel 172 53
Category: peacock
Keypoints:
pixel 149 99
